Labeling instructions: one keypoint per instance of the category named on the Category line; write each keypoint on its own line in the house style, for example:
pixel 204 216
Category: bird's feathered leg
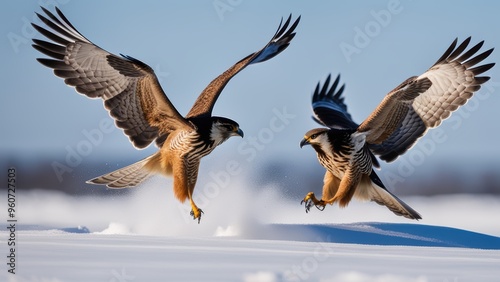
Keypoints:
pixel 346 188
pixel 195 211
pixel 330 186
pixel 185 176
pixel 192 173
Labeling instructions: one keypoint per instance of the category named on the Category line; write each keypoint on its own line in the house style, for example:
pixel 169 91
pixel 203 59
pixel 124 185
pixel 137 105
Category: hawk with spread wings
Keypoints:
pixel 134 98
pixel 347 150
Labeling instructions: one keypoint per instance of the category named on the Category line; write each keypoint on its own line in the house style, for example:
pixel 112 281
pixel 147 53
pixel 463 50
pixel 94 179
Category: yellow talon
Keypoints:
pixel 310 200
pixel 195 212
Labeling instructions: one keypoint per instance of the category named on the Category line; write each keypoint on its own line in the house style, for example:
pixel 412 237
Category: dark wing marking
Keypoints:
pixel 329 107
pixel 423 102
pixel 204 105
pixel 129 88
pixel 402 139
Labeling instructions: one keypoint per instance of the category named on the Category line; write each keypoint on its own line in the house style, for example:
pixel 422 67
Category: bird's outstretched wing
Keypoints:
pixel 329 107
pixel 422 102
pixel 204 105
pixel 129 88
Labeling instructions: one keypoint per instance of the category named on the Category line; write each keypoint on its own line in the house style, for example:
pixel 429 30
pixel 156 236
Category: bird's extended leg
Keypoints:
pixel 310 200
pixel 188 179
pixel 347 188
pixel 195 211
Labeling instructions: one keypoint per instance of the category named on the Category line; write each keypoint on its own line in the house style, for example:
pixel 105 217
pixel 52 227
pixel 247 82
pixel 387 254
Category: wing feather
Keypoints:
pixel 329 107
pixel 204 105
pixel 129 87
pixel 461 48
pixel 453 83
pixel 423 102
pixel 391 112
pixel 402 139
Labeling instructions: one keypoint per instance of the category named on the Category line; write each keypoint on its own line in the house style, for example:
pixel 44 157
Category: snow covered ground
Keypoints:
pixel 60 256
pixel 248 236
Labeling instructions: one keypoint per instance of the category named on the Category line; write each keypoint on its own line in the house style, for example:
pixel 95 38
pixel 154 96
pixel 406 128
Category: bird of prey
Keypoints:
pixel 134 98
pixel 347 150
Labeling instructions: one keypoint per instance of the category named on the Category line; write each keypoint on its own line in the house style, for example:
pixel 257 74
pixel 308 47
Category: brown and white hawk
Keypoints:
pixel 134 98
pixel 347 150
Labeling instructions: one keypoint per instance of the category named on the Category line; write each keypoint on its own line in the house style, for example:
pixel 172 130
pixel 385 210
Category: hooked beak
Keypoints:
pixel 239 132
pixel 304 142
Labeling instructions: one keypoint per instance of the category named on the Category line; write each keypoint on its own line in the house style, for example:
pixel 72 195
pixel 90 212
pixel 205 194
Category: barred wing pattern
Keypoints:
pixel 129 88
pixel 423 102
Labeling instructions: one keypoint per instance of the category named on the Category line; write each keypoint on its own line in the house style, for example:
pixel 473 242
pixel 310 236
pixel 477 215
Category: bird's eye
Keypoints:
pixel 314 136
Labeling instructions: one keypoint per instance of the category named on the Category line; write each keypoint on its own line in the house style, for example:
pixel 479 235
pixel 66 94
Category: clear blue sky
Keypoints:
pixel 189 43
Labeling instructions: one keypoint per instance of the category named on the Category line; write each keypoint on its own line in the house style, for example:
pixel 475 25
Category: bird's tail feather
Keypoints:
pixel 393 203
pixel 372 188
pixel 128 176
